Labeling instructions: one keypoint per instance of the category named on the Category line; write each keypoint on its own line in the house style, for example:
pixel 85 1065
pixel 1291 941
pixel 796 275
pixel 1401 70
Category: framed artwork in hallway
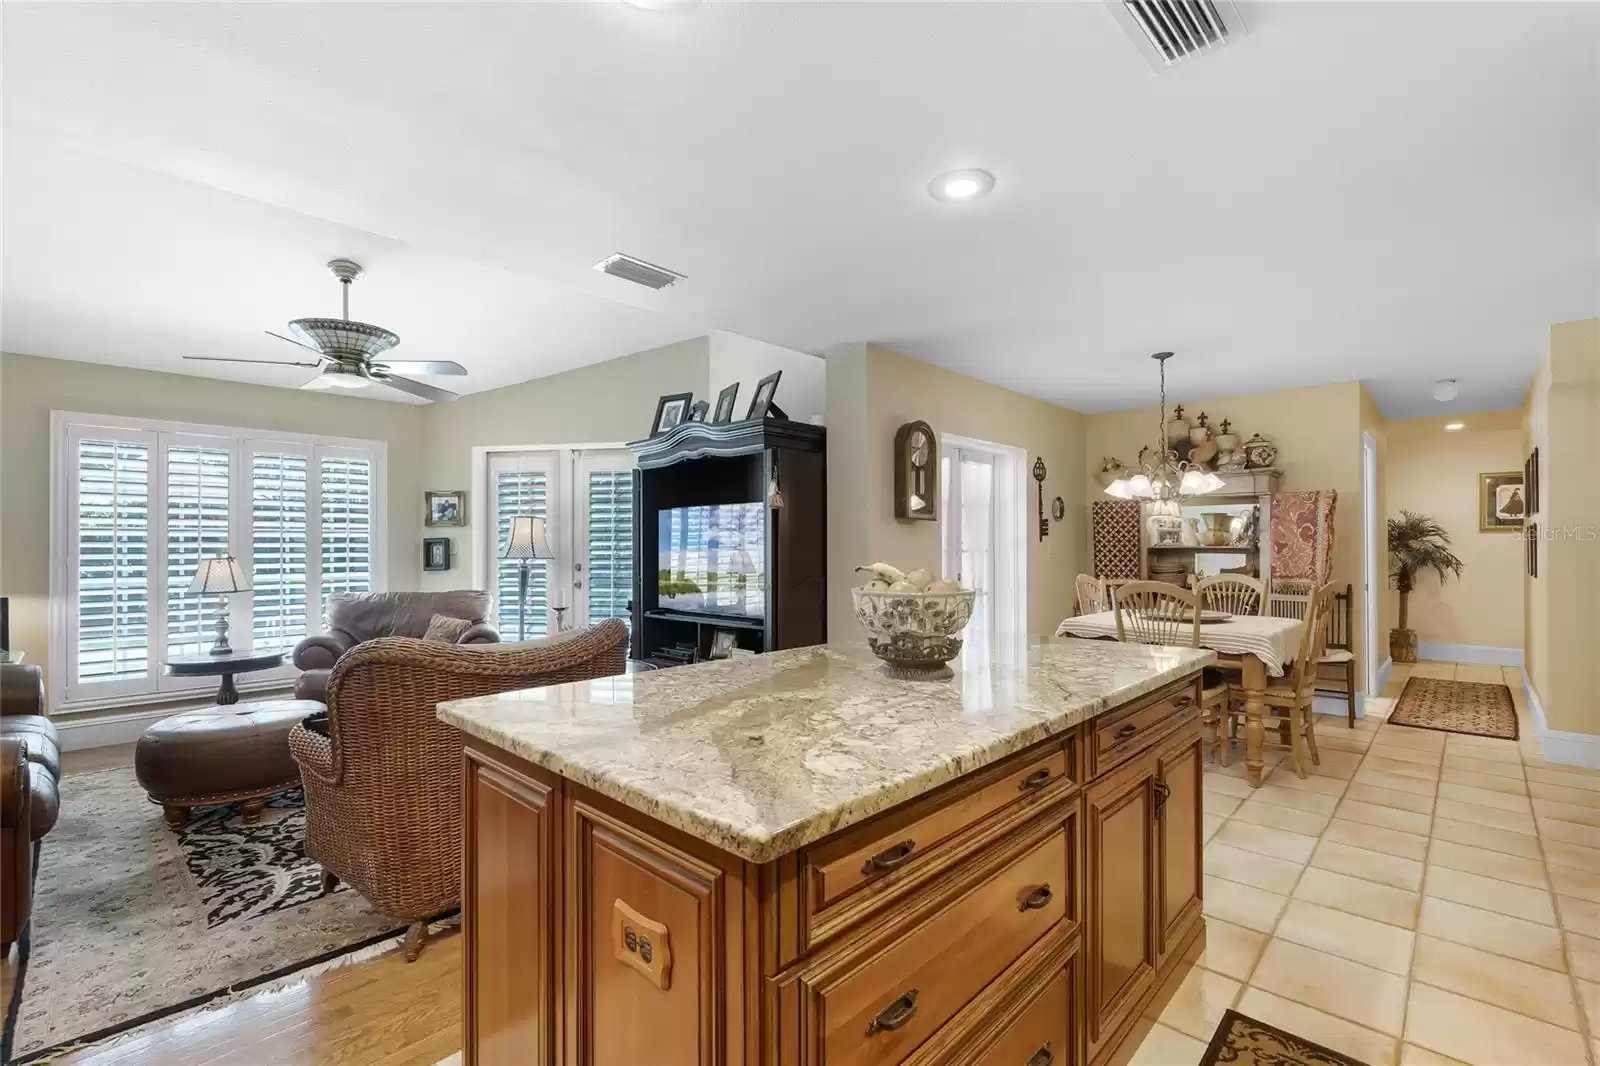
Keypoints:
pixel 1502 502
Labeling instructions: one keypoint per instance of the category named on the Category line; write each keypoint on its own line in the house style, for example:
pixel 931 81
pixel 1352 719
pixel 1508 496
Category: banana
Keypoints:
pixel 883 572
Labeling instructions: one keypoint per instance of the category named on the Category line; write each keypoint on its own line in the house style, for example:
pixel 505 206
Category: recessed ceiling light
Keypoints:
pixel 961 185
pixel 1452 427
pixel 1446 389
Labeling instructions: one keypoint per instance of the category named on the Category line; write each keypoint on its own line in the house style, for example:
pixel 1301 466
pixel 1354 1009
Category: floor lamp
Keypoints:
pixel 526 542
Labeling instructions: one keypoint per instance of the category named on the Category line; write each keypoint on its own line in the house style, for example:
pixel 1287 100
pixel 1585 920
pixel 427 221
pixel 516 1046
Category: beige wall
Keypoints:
pixel 603 403
pixel 31 388
pixel 801 390
pixel 1318 434
pixel 871 392
pixel 1563 614
pixel 1435 473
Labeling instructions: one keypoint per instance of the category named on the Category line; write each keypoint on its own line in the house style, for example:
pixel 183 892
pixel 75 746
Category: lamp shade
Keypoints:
pixel 218 575
pixel 527 539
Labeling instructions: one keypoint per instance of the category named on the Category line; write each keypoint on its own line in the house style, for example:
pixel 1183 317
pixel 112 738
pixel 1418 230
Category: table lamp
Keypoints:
pixel 526 541
pixel 219 576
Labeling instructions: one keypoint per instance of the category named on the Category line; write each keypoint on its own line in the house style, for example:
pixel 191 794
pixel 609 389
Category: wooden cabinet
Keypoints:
pixel 1180 837
pixel 509 875
pixel 1119 826
pixel 1044 907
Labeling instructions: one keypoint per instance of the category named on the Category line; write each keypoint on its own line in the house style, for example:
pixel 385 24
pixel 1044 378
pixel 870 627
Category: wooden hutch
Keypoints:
pixel 775 460
pixel 1242 489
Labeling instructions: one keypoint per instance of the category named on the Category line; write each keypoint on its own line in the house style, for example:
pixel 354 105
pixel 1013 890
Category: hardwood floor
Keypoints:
pixel 386 1012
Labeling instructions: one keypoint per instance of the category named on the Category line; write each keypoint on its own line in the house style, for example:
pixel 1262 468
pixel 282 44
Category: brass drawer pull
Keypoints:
pixel 1037 779
pixel 1039 897
pixel 895 1015
pixel 1182 701
pixel 1042 1057
pixel 1127 731
pixel 890 858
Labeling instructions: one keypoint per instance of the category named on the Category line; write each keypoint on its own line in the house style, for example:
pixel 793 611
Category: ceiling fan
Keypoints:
pixel 349 352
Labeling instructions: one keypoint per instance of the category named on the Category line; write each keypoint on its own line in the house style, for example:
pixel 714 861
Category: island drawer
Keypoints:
pixel 1043 1035
pixel 896 851
pixel 881 1007
pixel 1126 732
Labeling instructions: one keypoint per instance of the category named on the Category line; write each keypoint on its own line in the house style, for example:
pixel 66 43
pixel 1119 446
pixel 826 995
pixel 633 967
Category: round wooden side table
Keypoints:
pixel 225 666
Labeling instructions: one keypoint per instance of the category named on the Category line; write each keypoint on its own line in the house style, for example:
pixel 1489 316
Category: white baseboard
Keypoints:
pixel 1559 745
pixel 77 732
pixel 1336 705
pixel 1480 654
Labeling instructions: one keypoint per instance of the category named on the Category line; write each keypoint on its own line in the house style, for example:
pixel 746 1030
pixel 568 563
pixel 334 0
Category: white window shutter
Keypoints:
pixel 520 492
pixel 345 498
pixel 609 544
pixel 197 483
pixel 112 549
pixel 278 538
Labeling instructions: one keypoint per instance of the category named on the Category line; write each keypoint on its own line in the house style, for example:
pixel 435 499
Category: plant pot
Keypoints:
pixel 1403 645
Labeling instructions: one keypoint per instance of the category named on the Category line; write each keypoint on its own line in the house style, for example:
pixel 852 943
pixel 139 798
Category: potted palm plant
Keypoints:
pixel 1416 543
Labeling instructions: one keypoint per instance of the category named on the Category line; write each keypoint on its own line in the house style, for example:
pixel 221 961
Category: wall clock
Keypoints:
pixel 916 472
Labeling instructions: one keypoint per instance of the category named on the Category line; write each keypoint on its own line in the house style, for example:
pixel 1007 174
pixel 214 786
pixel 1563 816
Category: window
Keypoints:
pixel 985 527
pixel 138 504
pixel 585 496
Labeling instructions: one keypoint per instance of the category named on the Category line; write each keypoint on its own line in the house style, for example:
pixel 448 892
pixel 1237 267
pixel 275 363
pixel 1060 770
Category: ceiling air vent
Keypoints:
pixel 1170 30
pixel 637 271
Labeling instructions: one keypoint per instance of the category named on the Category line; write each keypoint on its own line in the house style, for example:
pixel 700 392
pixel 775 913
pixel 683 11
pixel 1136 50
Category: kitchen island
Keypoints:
pixel 797 860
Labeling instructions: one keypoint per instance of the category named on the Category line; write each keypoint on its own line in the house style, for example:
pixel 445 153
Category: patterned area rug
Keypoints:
pixel 1481 710
pixel 132 921
pixel 1243 1041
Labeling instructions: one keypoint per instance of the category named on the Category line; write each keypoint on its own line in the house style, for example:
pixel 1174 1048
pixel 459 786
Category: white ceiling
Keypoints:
pixel 1396 192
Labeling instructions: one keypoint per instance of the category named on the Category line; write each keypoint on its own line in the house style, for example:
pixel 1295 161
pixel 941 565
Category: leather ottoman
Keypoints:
pixel 212 755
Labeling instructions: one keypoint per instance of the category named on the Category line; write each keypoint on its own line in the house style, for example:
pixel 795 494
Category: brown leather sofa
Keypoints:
pixel 383 786
pixel 30 767
pixel 356 617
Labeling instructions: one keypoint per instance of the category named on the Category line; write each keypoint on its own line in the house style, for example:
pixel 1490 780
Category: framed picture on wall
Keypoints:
pixel 435 553
pixel 1502 502
pixel 445 508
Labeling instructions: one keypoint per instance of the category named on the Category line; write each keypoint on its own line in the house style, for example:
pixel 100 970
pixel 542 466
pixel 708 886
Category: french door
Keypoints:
pixel 585 497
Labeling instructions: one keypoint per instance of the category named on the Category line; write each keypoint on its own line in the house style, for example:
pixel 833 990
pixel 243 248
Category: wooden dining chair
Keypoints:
pixel 1234 593
pixel 1292 696
pixel 1154 612
pixel 1091 594
pixel 1289 598
pixel 1336 670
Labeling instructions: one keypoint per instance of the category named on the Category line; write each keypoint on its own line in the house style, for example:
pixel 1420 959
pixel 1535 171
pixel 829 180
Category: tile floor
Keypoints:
pixel 1421 899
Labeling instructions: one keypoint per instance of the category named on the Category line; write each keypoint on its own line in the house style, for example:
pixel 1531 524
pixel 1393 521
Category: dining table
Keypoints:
pixel 1258 646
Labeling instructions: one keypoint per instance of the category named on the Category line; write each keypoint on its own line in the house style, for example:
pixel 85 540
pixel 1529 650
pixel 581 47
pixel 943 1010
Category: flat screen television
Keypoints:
pixel 712 559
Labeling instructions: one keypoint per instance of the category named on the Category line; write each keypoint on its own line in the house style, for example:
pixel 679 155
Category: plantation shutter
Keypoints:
pixel 197 483
pixel 112 564
pixel 609 541
pixel 278 538
pixel 521 492
pixel 345 498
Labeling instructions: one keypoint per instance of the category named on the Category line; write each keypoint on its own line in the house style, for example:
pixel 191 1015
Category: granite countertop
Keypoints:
pixel 760 756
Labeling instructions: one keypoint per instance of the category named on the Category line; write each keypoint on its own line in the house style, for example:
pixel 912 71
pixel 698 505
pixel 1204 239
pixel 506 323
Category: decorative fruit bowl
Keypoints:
pixel 914 633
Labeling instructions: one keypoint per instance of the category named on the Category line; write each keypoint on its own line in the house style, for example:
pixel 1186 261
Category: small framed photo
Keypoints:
pixel 671 410
pixel 697 413
pixel 435 553
pixel 1530 481
pixel 445 508
pixel 1502 502
pixel 721 644
pixel 725 398
pixel 761 403
pixel 1531 535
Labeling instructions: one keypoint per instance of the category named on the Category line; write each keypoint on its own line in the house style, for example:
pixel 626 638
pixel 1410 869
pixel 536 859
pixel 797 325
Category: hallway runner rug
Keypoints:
pixel 1243 1041
pixel 1471 707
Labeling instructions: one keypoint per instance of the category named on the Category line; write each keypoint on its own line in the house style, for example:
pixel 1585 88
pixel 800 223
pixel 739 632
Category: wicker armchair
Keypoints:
pixel 383 788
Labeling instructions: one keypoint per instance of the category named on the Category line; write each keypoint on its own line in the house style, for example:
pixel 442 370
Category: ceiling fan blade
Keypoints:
pixel 441 367
pixel 296 343
pixel 258 362
pixel 415 388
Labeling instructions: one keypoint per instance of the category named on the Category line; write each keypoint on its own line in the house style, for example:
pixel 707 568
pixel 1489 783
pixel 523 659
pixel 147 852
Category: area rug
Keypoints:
pixel 1472 707
pixel 1243 1041
pixel 132 922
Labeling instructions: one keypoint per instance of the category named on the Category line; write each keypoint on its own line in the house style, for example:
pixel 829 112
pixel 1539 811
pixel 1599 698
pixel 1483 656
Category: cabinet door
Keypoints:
pixel 646 980
pixel 1179 836
pixel 509 917
pixel 1119 814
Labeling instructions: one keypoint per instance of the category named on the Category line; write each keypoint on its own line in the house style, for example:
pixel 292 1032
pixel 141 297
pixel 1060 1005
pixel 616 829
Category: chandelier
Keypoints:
pixel 1161 475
